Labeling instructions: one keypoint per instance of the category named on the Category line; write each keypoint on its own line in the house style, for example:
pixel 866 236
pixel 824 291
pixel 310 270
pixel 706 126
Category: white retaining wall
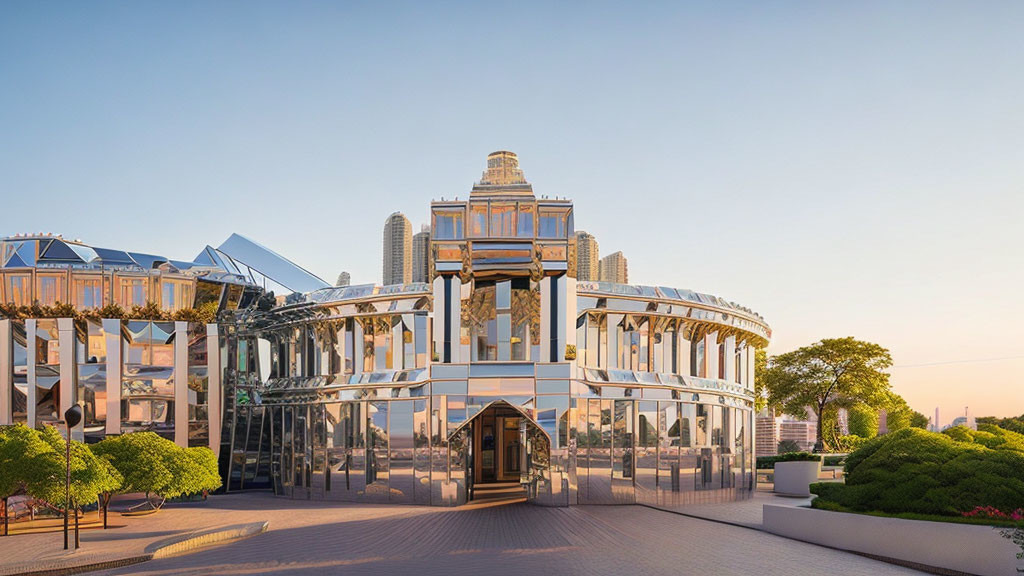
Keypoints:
pixel 962 547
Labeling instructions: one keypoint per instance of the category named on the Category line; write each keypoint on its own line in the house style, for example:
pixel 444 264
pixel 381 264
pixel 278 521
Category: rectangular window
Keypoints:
pixel 697 358
pixel 168 302
pixel 553 223
pixel 19 290
pixel 133 292
pixel 721 361
pixel 88 293
pixel 48 293
pixel 503 220
pixel 478 220
pixel 738 365
pixel 524 227
pixel 448 224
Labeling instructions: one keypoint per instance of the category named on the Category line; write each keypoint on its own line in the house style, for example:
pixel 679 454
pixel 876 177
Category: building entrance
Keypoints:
pixel 496 446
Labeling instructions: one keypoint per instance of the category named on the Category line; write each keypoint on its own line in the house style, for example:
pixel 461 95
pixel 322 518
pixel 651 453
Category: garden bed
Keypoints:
pixel 949 546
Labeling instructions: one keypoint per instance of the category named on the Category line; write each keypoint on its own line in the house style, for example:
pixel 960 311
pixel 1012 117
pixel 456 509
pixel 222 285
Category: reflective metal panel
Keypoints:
pixel 377 451
pixel 647 452
pixel 623 463
pixel 421 451
pixel 400 436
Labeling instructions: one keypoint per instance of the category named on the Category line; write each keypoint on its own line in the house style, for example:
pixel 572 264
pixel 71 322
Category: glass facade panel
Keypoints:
pixel 448 224
pixel 132 292
pixel 503 220
pixel 87 292
pixel 478 220
pixel 51 289
pixel 19 289
pixel 553 223
pixel 524 228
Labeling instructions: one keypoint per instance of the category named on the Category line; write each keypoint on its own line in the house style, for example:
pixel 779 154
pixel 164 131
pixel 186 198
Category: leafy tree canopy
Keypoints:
pixel 152 464
pixel 918 420
pixel 863 421
pixel 91 475
pixel 832 373
pixel 21 462
pixel 1013 423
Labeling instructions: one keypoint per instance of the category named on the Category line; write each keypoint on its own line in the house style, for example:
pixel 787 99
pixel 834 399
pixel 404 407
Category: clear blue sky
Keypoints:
pixel 843 168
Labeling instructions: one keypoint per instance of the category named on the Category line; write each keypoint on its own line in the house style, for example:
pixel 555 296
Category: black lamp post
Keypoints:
pixel 71 419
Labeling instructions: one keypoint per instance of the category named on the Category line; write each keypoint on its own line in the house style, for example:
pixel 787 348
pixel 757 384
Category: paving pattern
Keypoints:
pixel 307 538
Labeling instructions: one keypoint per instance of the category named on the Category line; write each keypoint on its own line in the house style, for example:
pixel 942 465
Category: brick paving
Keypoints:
pixel 307 538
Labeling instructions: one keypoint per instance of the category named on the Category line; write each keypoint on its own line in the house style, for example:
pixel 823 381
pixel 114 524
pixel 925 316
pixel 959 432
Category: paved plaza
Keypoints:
pixel 322 538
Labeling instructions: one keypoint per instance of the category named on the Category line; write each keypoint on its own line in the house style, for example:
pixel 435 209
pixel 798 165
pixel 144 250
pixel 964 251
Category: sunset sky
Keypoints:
pixel 844 169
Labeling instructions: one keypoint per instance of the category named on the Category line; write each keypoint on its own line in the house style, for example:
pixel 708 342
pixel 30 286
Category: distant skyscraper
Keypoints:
pixel 613 268
pixel 344 279
pixel 588 258
pixel 421 255
pixel 938 426
pixel 397 250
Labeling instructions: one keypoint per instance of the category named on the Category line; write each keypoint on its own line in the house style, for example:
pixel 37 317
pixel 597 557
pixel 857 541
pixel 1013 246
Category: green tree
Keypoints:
pixel 91 475
pixel 21 462
pixel 155 465
pixel 863 421
pixel 832 373
pixel 1013 423
pixel 918 420
pixel 760 392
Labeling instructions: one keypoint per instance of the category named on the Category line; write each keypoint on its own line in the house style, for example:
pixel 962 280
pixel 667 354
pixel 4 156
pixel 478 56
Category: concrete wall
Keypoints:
pixel 962 547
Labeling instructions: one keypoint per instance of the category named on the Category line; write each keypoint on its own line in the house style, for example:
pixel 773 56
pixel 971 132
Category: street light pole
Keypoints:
pixel 67 484
pixel 72 417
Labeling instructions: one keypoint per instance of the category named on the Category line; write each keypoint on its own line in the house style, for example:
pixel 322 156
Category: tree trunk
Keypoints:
pixel 106 506
pixel 819 444
pixel 6 525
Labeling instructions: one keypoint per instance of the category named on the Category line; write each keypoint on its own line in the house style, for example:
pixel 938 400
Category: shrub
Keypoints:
pixel 787 446
pixel 929 473
pixel 152 464
pixel 989 436
pixel 849 443
pixel 768 462
pixel 834 460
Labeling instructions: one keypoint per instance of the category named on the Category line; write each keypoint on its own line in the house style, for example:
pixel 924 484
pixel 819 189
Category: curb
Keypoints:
pixel 173 546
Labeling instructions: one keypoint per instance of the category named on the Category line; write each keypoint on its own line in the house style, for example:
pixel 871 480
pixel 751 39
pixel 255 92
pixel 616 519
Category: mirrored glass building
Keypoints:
pixel 501 370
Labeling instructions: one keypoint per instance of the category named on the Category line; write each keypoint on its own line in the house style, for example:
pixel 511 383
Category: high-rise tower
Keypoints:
pixel 614 268
pixel 421 255
pixel 397 250
pixel 587 257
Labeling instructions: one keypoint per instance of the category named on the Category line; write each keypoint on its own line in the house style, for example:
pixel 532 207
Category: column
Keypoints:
pixel 568 296
pixel 112 334
pixel 546 328
pixel 30 369
pixel 683 343
pixel 181 384
pixel 357 346
pixel 454 321
pixel 439 317
pixel 6 373
pixel 730 360
pixel 711 355
pixel 68 375
pixel 215 396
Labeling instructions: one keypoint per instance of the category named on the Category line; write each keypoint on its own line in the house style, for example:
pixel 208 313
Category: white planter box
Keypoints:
pixel 958 547
pixel 795 478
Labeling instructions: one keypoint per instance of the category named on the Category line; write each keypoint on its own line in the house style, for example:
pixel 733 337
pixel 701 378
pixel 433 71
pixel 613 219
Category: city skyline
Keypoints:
pixel 868 188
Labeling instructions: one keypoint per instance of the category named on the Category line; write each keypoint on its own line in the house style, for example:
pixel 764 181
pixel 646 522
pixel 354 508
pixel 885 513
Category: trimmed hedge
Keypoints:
pixel 834 460
pixel 915 471
pixel 768 462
